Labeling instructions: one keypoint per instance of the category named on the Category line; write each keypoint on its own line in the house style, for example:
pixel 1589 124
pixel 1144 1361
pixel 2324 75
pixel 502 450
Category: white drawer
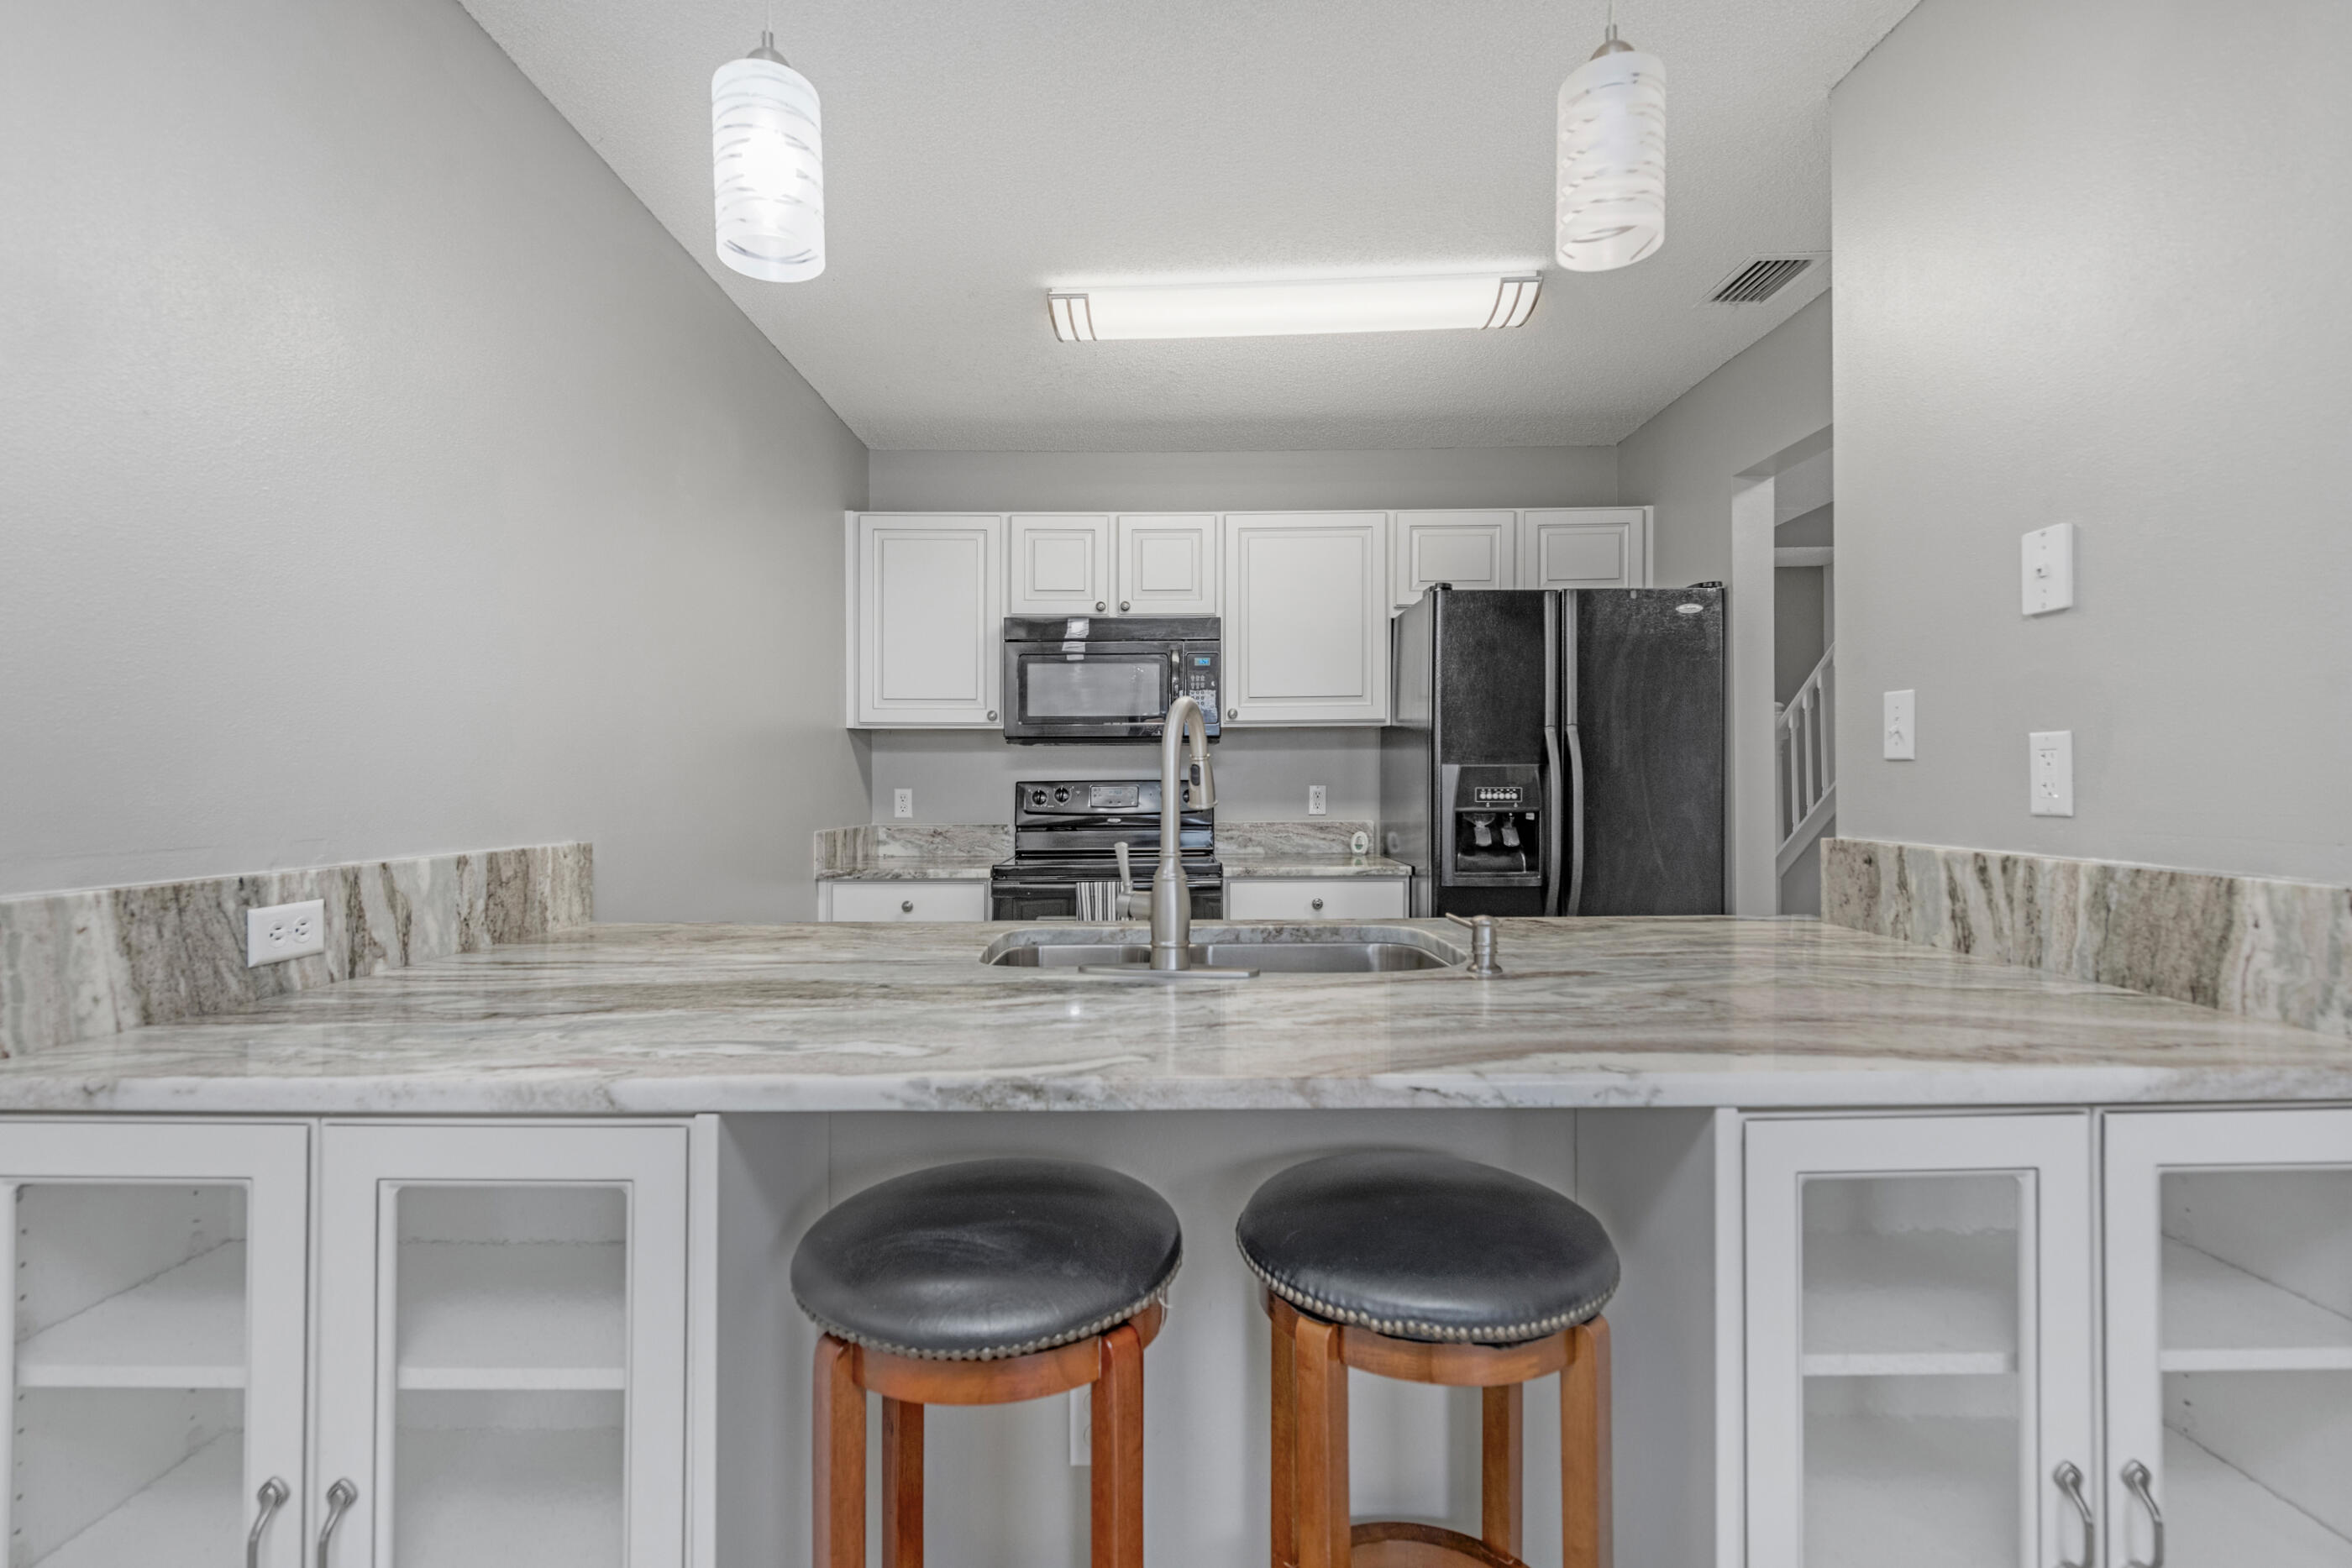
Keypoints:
pixel 1348 898
pixel 905 900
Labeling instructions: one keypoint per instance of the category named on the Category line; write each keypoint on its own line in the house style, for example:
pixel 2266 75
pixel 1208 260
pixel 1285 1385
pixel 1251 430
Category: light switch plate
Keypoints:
pixel 1902 731
pixel 2053 772
pixel 2048 567
pixel 284 931
pixel 902 802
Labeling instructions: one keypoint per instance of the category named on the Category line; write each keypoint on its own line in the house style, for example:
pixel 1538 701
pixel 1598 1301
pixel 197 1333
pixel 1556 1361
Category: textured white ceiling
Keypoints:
pixel 977 151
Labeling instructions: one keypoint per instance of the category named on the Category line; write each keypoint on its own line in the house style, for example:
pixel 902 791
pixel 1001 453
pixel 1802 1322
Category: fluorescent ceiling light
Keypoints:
pixel 1280 310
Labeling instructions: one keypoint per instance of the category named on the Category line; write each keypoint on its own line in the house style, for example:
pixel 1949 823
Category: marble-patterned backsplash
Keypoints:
pixel 2262 947
pixel 838 850
pixel 101 960
pixel 1311 838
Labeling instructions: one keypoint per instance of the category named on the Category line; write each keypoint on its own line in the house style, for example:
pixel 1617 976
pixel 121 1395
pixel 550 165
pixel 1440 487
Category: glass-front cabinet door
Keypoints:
pixel 502 1330
pixel 157 1357
pixel 2228 1290
pixel 1920 1343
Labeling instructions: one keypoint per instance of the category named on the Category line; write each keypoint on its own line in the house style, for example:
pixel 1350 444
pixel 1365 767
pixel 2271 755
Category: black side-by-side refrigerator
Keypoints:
pixel 1557 751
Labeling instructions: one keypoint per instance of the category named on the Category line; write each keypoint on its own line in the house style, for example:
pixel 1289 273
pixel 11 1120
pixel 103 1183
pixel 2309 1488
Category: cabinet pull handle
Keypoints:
pixel 340 1497
pixel 2135 1481
pixel 271 1497
pixel 2070 1483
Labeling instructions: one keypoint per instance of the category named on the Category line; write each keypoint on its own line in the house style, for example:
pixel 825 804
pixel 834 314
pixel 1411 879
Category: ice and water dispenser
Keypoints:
pixel 1490 826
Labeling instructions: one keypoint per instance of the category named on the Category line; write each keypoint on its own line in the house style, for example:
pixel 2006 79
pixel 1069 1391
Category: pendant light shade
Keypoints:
pixel 767 168
pixel 1612 158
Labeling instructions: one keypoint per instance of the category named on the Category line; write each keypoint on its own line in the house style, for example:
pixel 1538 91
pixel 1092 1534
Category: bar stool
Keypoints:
pixel 982 1283
pixel 1432 1269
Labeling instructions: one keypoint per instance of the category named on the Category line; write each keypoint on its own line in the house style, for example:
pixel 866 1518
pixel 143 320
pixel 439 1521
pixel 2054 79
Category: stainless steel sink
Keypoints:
pixel 1272 949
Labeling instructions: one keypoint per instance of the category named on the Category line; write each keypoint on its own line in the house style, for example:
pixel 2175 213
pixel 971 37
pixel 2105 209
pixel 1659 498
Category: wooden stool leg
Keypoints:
pixel 902 1484
pixel 839 1457
pixel 1117 1399
pixel 1320 1381
pixel 1587 1530
pixel 1283 1452
pixel 1502 1484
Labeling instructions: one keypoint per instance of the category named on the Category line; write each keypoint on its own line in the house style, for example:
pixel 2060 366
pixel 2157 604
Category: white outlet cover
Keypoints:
pixel 2053 753
pixel 1902 729
pixel 2047 565
pixel 902 802
pixel 1318 800
pixel 284 931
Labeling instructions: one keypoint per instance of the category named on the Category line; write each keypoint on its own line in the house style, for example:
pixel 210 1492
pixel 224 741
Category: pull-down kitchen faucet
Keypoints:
pixel 1180 786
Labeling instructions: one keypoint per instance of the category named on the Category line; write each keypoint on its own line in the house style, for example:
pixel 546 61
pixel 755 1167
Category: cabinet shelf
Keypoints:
pixel 183 1328
pixel 2216 1513
pixel 2219 1318
pixel 537 1316
pixel 1936 1491
pixel 1910 1303
pixel 509 1498
pixel 193 1513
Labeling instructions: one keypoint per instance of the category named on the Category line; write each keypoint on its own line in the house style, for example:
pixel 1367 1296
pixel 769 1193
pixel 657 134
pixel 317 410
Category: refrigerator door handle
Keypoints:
pixel 1556 818
pixel 1575 822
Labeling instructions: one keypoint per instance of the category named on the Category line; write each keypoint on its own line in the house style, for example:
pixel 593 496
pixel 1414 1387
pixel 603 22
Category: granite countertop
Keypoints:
pixel 663 1019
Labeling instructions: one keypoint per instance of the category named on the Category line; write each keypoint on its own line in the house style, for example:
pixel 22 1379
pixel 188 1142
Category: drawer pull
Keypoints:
pixel 905 906
pixel 1317 904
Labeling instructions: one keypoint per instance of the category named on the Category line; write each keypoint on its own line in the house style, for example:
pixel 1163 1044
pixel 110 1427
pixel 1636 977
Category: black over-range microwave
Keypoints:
pixel 1106 677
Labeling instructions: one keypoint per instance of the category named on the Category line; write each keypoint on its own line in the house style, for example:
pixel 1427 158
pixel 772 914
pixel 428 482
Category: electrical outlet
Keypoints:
pixel 902 802
pixel 2048 568
pixel 1082 1427
pixel 2053 772
pixel 285 931
pixel 1315 802
pixel 1902 727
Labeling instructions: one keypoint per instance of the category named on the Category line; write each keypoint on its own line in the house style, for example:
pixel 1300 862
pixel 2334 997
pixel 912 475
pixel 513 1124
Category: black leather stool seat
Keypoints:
pixel 987 1258
pixel 1427 1246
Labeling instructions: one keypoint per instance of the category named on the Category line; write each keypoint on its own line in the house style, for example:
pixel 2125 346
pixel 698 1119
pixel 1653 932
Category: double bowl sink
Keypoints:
pixel 1234 949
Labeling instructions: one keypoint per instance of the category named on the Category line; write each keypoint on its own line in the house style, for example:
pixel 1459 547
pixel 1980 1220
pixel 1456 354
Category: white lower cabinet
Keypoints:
pixel 839 900
pixel 1303 898
pixel 1920 1344
pixel 2228 1301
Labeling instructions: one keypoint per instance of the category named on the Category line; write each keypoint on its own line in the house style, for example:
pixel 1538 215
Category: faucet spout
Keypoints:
pixel 1181 784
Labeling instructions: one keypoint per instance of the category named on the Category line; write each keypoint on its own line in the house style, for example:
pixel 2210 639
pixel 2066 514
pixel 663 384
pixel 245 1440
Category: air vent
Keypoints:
pixel 1759 280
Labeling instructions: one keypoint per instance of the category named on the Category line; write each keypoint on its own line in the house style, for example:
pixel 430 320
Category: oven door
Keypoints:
pixel 1089 691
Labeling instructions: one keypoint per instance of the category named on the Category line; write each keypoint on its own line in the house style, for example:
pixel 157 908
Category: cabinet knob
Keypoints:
pixel 1123 604
pixel 1316 904
pixel 992 716
pixel 905 906
pixel 1232 713
pixel 1099 605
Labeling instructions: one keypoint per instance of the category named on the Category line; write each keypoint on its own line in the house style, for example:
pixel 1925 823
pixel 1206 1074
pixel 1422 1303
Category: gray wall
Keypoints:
pixel 1242 481
pixel 1770 396
pixel 960 776
pixel 2061 297
pixel 378 477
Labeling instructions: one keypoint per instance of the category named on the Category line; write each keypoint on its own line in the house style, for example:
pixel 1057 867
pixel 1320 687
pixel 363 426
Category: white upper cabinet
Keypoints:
pixel 1061 564
pixel 1585 547
pixel 927 597
pixel 1167 563
pixel 1305 617
pixel 1468 549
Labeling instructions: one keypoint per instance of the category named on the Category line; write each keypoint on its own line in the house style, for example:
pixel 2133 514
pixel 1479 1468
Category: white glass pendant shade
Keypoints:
pixel 767 169
pixel 1613 160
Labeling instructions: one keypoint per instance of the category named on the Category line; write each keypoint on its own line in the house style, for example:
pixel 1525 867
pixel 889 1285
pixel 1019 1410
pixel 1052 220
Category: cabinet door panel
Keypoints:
pixel 1168 563
pixel 2229 1289
pixel 1919 1339
pixel 1305 621
pixel 1585 547
pixel 502 1345
pixel 929 596
pixel 1468 549
pixel 1061 564
pixel 158 1344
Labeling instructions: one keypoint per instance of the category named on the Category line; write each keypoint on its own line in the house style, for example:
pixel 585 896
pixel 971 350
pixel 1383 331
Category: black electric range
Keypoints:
pixel 1063 831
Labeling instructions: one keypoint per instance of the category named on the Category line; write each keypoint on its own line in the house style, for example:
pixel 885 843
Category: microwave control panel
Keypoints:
pixel 1196 678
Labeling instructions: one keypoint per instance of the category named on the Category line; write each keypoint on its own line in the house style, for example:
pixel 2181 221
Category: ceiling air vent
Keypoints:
pixel 1759 280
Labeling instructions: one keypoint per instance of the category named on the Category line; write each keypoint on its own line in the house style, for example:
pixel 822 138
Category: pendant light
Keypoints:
pixel 767 167
pixel 1612 158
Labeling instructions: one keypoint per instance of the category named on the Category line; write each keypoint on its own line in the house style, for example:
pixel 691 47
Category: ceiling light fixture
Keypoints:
pixel 767 167
pixel 1613 157
pixel 1286 309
